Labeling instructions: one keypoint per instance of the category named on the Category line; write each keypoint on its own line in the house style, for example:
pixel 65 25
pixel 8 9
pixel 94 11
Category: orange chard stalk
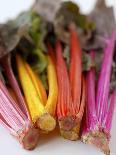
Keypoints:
pixel 77 81
pixel 75 70
pixel 69 118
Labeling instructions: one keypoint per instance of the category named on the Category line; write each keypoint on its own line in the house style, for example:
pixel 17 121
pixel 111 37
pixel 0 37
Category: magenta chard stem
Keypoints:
pixel 104 80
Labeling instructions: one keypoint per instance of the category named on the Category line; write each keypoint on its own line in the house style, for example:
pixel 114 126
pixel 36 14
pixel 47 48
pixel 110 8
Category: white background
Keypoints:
pixel 11 8
pixel 49 144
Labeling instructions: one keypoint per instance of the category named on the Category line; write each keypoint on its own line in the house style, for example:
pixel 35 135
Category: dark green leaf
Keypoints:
pixel 41 63
pixel 66 55
pixel 87 62
pixel 69 12
pixel 14 30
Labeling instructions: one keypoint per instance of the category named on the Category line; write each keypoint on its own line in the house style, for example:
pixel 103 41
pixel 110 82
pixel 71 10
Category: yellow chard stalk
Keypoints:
pixel 53 87
pixel 34 97
pixel 38 84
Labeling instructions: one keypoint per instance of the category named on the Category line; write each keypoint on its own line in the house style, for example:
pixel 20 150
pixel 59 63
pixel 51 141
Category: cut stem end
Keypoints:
pixel 30 140
pixel 46 123
pixel 69 128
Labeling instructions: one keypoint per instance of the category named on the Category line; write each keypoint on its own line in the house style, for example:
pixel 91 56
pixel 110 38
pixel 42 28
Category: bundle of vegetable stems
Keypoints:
pixel 80 103
pixel 100 103
pixel 71 96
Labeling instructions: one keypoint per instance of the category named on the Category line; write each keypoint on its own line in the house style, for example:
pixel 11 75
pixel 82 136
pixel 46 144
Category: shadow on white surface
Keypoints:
pixel 51 144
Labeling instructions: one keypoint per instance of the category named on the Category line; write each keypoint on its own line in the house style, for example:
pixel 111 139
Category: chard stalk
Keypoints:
pixel 109 116
pixel 64 105
pixel 104 80
pixel 100 107
pixel 32 92
pixel 13 113
pixel 14 120
pixel 6 64
pixel 75 69
pixel 69 115
pixel 91 119
pixel 53 87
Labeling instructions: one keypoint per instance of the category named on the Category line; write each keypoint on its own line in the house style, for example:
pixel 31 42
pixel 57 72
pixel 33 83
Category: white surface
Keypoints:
pixel 11 8
pixel 51 144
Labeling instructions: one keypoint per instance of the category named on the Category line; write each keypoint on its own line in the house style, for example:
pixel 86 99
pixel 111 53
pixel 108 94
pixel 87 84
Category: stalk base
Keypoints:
pixel 29 140
pixel 99 139
pixel 69 128
pixel 46 123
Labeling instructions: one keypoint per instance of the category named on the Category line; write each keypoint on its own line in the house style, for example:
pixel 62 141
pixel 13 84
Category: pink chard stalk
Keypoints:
pixel 13 119
pixel 99 103
pixel 13 112
pixel 7 68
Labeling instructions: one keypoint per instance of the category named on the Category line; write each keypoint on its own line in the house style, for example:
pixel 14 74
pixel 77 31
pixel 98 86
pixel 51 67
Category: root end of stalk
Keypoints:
pixel 69 129
pixel 70 135
pixel 29 140
pixel 46 123
pixel 98 139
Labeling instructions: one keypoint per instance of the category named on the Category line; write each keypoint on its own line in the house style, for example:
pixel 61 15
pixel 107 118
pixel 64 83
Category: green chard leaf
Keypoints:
pixel 87 62
pixel 70 12
pixel 40 64
pixel 26 34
